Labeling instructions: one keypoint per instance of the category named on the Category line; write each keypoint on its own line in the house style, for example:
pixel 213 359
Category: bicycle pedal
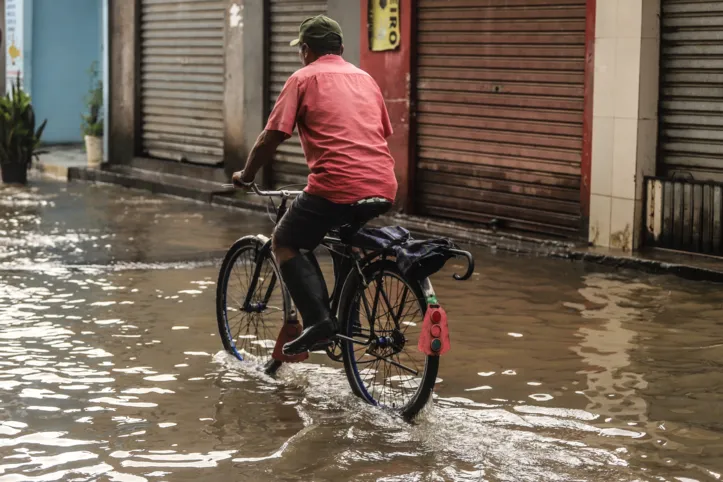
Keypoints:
pixel 289 332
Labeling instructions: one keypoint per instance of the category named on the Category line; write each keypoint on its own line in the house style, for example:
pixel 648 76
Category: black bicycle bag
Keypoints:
pixel 417 258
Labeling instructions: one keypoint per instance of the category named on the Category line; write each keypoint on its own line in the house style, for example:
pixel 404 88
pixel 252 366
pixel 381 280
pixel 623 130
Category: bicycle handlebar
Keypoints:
pixel 255 188
pixel 470 264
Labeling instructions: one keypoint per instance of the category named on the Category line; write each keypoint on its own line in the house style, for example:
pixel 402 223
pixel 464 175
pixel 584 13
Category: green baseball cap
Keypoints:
pixel 317 29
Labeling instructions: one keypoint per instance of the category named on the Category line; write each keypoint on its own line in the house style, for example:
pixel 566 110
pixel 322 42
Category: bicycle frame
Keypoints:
pixel 345 259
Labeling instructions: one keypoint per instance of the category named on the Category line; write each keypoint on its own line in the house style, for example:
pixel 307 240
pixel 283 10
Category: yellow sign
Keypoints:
pixel 384 22
pixel 13 52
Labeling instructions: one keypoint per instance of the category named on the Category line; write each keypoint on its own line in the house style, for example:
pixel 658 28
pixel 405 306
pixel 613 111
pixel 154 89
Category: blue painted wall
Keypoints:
pixel 66 37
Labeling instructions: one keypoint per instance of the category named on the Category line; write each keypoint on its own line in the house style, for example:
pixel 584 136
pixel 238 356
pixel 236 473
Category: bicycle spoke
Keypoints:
pixel 414 362
pixel 401 306
pixel 248 327
pixel 236 315
pixel 375 371
pixel 386 376
pixel 385 297
pixel 237 324
pixel 393 363
pixel 263 278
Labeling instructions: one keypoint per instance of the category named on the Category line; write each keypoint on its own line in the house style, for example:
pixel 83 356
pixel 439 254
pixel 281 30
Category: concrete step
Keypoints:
pixel 195 171
pixel 154 181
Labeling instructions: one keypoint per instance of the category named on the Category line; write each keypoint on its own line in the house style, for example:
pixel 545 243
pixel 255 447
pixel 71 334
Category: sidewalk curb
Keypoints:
pixel 507 242
pixel 52 170
pixel 158 186
pixel 652 266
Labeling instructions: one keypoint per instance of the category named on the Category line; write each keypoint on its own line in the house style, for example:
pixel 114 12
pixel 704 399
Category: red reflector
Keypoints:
pixel 434 339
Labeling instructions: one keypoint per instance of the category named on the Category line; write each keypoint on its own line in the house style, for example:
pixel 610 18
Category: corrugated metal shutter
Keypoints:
pixel 499 112
pixel 290 165
pixel 182 72
pixel 691 100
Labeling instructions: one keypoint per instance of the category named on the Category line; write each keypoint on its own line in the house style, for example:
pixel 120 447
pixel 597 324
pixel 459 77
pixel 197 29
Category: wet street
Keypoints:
pixel 111 367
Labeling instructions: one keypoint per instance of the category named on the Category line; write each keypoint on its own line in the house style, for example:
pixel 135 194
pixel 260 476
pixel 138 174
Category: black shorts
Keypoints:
pixel 311 217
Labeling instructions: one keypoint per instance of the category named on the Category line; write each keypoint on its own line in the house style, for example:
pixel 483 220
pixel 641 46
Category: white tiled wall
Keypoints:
pixel 625 103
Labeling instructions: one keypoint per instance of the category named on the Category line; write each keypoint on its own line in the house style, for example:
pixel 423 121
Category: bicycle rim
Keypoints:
pixel 393 374
pixel 250 334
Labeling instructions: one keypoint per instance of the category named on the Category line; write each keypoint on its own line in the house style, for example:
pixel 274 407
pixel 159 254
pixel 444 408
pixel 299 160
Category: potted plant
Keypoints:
pixel 92 124
pixel 19 139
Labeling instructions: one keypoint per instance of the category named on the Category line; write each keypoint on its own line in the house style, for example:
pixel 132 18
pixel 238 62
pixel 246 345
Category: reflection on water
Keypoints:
pixel 110 366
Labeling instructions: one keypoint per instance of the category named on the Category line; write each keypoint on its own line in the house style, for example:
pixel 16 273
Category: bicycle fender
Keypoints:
pixel 259 239
pixel 434 340
pixel 263 243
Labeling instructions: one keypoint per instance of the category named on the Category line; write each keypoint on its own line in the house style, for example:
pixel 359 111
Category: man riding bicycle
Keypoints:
pixel 343 124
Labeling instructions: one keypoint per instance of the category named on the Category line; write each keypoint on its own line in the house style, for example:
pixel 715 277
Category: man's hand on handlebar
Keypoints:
pixel 240 178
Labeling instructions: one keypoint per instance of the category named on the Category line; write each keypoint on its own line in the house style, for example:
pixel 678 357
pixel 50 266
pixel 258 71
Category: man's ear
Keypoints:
pixel 341 52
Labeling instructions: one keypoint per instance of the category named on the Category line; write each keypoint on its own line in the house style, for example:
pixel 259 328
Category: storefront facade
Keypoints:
pixel 529 115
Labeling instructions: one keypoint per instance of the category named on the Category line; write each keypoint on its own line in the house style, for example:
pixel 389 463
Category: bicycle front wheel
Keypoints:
pixel 385 318
pixel 251 304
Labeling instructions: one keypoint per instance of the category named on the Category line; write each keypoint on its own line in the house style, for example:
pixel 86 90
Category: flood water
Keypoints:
pixel 111 368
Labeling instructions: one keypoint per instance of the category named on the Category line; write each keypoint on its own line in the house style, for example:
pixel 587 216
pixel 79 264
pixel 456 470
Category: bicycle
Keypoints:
pixel 379 311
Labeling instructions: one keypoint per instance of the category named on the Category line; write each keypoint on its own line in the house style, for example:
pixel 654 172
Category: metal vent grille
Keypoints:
pixel 684 215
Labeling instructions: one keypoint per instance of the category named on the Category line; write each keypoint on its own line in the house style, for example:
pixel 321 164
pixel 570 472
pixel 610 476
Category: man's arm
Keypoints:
pixel 279 127
pixel 261 154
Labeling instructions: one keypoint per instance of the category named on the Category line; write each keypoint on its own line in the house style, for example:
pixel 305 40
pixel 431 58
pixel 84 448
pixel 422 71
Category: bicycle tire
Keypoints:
pixel 348 308
pixel 247 249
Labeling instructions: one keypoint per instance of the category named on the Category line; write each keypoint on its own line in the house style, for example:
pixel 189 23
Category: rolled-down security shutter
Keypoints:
pixel 285 17
pixel 182 72
pixel 691 98
pixel 499 112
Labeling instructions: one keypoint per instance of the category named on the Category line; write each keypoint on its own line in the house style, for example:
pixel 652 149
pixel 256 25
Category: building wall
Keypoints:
pixel 105 57
pixel 122 118
pixel 13 41
pixel 4 49
pixel 347 14
pixel 625 117
pixel 66 39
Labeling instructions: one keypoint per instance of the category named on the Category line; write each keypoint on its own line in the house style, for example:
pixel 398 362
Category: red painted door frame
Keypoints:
pixel 392 72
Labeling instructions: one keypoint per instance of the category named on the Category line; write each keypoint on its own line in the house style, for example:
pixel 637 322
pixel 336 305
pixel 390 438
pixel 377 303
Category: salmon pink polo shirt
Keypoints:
pixel 343 124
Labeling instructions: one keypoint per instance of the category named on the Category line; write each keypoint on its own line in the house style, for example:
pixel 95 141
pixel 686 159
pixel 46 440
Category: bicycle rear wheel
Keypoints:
pixel 249 330
pixel 385 318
